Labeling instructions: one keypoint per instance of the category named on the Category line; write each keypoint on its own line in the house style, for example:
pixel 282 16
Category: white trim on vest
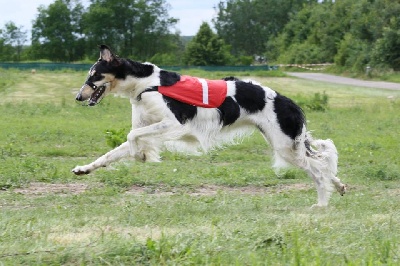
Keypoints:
pixel 204 85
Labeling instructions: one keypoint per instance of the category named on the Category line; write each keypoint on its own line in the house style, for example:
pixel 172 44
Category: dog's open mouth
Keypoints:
pixel 97 95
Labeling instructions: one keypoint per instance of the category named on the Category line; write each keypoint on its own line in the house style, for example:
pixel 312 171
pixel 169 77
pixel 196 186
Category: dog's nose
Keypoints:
pixel 79 97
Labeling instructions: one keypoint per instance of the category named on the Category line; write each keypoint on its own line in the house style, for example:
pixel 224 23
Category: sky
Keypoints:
pixel 191 13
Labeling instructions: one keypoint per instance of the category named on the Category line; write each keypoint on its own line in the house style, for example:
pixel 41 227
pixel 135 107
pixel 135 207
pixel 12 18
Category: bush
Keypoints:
pixel 319 102
pixel 115 137
pixel 303 53
pixel 386 51
pixel 245 60
pixel 165 59
pixel 353 53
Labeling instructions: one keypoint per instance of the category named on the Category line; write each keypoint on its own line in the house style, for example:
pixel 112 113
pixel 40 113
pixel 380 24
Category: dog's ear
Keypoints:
pixel 106 54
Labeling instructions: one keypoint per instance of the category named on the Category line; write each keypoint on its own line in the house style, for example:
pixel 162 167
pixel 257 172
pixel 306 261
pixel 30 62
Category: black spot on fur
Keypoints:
pixel 309 151
pixel 249 96
pixel 230 78
pixel 290 116
pixel 182 111
pixel 138 70
pixel 121 68
pixel 169 78
pixel 229 111
pixel 99 67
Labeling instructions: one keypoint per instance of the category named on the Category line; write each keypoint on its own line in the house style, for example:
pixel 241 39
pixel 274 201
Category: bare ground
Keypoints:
pixel 39 188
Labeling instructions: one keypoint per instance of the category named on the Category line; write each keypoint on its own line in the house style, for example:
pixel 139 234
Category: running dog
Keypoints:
pixel 192 115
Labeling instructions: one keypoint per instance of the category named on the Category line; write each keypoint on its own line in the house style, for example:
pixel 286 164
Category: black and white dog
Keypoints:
pixel 163 118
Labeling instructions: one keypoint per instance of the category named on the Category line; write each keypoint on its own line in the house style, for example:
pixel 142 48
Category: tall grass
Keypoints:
pixel 223 208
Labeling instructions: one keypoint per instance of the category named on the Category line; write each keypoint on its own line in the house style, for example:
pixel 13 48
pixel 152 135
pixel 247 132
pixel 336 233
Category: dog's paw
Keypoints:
pixel 342 189
pixel 81 170
pixel 319 205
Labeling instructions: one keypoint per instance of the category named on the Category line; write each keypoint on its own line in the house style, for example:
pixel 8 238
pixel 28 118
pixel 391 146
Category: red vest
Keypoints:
pixel 197 91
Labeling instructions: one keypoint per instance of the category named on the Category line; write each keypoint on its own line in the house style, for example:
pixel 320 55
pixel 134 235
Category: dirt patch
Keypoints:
pixel 39 188
pixel 210 190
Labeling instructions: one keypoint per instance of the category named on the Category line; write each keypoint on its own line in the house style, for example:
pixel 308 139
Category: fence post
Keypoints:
pixel 368 71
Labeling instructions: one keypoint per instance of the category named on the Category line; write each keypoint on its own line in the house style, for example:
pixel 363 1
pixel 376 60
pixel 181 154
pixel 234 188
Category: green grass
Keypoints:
pixel 224 208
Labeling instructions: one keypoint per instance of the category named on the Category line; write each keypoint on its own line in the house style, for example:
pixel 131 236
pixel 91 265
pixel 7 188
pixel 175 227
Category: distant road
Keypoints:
pixel 346 81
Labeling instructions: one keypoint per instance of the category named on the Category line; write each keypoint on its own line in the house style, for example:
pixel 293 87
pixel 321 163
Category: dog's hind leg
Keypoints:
pixel 111 156
pixel 326 152
pixel 321 165
pixel 318 158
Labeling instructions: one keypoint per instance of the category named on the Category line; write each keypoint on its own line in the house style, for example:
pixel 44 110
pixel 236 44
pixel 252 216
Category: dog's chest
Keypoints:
pixel 197 91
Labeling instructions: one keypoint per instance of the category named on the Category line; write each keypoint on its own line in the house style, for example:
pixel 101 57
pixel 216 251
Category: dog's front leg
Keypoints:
pixel 111 156
pixel 145 142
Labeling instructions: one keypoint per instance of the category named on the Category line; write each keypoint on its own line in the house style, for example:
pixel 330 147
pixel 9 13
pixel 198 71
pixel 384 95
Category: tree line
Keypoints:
pixel 349 33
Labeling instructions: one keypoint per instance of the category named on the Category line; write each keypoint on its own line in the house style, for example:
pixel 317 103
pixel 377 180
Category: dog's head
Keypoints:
pixel 121 76
pixel 100 78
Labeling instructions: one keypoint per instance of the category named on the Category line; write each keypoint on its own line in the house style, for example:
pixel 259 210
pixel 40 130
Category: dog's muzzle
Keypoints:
pixel 95 97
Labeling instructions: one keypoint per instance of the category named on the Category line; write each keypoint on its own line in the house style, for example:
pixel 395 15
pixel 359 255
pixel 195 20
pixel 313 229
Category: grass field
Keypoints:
pixel 224 208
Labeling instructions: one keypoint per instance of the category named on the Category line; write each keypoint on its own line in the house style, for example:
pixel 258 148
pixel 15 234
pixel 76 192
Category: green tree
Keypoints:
pixel 56 31
pixel 207 49
pixel 13 39
pixel 386 52
pixel 248 25
pixel 138 28
pixel 353 53
pixel 349 33
pixel 311 36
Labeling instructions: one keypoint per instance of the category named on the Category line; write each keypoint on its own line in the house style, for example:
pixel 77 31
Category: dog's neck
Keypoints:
pixel 140 76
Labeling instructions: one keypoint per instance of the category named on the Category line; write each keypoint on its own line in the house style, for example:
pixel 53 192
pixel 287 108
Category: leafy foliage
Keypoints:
pixel 206 49
pixel 353 53
pixel 56 32
pixel 12 39
pixel 65 30
pixel 386 51
pixel 115 137
pixel 316 102
pixel 351 34
pixel 345 32
pixel 247 25
pixel 133 28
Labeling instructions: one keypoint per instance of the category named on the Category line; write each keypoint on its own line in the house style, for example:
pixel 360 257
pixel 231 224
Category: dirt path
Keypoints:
pixel 346 81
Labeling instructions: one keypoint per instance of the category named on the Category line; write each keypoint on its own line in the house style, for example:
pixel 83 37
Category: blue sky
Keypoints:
pixel 191 13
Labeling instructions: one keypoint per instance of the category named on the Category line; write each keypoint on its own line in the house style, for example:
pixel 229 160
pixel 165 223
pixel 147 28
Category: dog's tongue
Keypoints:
pixel 96 96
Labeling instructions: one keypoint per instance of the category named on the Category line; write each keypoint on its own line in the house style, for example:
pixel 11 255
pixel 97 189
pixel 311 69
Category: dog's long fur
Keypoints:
pixel 160 122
